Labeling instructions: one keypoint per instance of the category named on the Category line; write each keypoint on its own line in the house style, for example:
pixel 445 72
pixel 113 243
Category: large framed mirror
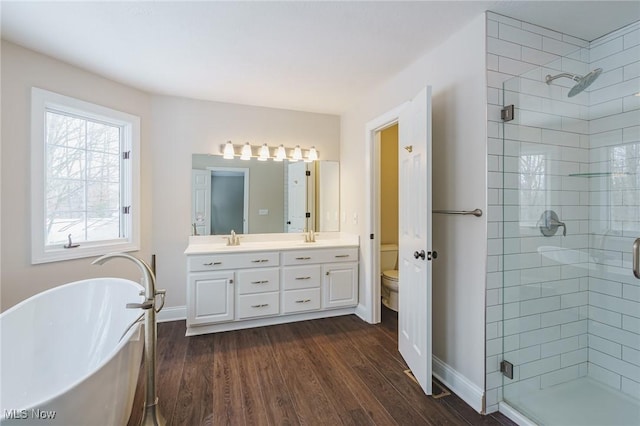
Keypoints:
pixel 258 197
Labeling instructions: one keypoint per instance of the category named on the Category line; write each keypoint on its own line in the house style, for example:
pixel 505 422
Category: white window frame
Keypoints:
pixel 43 100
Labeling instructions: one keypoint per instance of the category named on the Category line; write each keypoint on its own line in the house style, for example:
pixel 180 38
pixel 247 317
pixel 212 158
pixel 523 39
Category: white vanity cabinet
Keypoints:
pixel 231 289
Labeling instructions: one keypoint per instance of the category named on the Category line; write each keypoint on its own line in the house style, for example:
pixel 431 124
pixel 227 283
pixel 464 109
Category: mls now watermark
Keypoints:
pixel 32 414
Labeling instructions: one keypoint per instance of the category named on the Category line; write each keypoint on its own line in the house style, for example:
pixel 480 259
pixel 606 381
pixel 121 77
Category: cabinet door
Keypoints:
pixel 340 285
pixel 210 298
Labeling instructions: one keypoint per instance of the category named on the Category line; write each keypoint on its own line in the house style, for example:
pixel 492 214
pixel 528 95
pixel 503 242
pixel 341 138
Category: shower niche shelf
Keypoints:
pixel 603 174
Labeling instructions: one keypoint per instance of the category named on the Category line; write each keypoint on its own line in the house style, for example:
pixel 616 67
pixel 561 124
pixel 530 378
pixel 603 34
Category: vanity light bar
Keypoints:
pixel 264 152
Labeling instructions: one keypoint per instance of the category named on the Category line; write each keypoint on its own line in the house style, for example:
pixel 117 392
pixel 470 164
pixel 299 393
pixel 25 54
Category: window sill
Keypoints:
pixel 62 254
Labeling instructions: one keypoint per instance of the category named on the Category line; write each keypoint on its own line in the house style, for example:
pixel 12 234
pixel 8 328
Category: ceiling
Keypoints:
pixel 315 56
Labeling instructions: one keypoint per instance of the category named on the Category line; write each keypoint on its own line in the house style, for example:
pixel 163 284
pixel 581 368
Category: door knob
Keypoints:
pixel 420 254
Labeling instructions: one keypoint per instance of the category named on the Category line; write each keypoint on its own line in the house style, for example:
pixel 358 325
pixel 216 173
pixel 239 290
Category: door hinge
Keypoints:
pixel 506 368
pixel 126 155
pixel 507 113
pixel 126 210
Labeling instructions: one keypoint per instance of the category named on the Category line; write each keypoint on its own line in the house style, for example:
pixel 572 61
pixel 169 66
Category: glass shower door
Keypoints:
pixel 571 213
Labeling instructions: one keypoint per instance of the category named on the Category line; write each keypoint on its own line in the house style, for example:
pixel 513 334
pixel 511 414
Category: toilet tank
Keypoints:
pixel 388 257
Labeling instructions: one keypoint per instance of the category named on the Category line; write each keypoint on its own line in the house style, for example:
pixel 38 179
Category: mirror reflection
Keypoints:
pixel 252 196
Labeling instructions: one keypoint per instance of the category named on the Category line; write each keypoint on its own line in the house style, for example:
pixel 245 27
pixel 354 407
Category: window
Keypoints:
pixel 84 178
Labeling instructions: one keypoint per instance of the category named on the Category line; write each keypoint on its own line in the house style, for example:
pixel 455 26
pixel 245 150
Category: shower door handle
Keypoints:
pixel 636 258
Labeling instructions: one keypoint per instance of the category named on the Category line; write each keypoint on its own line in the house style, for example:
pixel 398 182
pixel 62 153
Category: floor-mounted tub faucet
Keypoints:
pixel 151 415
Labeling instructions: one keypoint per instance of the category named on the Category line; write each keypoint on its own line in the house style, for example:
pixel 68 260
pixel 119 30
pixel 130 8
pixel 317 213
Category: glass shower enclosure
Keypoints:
pixel 571 215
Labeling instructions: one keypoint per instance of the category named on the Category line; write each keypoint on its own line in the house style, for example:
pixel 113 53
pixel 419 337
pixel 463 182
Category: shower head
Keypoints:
pixel 582 82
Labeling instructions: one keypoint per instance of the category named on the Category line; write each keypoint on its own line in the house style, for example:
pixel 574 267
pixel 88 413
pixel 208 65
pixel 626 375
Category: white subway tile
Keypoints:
pixel 560 376
pixel 620 90
pixel 492 28
pixel 631 388
pixel 606 109
pixel 605 316
pixel 494 347
pixel 631 102
pixel 493 62
pixel 504 19
pixel 560 346
pixel 537 57
pixel 542 31
pixel 616 365
pixel 614 334
pixel 539 367
pixel 631 71
pixel 631 324
pixel 631 292
pixel 606 346
pixel 562 316
pixel 572 358
pixel 516 35
pixel 631 39
pixel 606 49
pixel 619 59
pixel 522 324
pixel 573 329
pixel 611 288
pixel 504 48
pixel 627 307
pixel 617 121
pixel 524 355
pixel 574 40
pixel 603 375
pixel 557 47
pixel 631 355
pixel 537 337
pixel 631 134
pixel 513 67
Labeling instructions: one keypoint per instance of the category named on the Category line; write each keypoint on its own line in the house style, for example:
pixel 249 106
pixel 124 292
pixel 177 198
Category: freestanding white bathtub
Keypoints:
pixel 62 357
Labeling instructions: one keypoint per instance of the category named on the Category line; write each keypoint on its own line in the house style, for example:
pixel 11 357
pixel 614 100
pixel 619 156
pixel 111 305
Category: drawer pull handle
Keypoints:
pixel 260 260
pixel 341 255
pixel 260 282
pixel 303 278
pixel 262 305
pixel 303 258
pixel 212 263
pixel 303 301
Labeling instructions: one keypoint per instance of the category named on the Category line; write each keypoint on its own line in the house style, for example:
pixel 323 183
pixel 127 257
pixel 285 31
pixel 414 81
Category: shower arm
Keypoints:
pixel 549 78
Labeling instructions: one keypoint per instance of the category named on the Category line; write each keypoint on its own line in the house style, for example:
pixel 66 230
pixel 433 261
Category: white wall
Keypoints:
pixel 22 69
pixel 182 127
pixel 456 72
pixel 171 130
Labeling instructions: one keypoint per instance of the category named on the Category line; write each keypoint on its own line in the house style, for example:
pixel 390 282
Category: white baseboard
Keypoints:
pixel 363 313
pixel 459 384
pixel 175 313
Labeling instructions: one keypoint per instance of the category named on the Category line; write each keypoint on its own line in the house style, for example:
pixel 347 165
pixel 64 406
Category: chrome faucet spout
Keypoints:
pixel 151 414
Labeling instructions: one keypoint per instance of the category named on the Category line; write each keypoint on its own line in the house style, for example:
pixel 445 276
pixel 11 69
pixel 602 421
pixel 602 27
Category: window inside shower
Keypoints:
pixel 570 303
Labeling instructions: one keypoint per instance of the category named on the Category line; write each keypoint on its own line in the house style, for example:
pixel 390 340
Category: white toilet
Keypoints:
pixel 388 266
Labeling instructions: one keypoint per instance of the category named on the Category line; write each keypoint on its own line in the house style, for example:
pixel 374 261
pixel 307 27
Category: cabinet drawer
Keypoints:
pixel 296 277
pixel 258 280
pixel 258 305
pixel 307 299
pixel 215 262
pixel 303 257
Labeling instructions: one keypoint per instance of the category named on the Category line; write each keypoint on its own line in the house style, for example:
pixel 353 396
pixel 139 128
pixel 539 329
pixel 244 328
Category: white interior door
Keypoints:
pixel 297 197
pixel 201 201
pixel 414 253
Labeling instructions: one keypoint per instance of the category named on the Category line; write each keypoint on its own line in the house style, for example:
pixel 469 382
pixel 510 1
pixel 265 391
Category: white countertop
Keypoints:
pixel 217 244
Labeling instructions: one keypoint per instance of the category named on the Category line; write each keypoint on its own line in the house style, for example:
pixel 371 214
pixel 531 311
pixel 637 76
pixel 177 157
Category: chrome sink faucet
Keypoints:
pixel 151 414
pixel 233 239
pixel 309 236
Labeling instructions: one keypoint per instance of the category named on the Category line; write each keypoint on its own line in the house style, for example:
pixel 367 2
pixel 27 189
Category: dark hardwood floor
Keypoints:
pixel 323 372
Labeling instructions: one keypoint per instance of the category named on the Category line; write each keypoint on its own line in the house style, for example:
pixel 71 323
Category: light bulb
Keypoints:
pixel 246 152
pixel 281 154
pixel 228 153
pixel 313 155
pixel 297 154
pixel 264 153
